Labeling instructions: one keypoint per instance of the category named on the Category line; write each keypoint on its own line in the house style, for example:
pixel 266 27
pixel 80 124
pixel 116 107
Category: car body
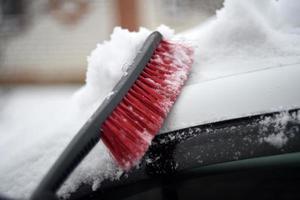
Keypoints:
pixel 235 136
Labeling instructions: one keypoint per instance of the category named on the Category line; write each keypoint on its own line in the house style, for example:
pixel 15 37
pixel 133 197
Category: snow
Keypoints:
pixel 32 135
pixel 278 124
pixel 245 38
pixel 278 140
pixel 36 124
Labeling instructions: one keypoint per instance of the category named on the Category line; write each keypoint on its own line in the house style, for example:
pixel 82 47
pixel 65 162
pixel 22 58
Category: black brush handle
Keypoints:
pixel 90 133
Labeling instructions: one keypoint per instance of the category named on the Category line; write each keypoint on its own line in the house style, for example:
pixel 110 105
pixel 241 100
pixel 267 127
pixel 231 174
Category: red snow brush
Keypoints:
pixel 132 115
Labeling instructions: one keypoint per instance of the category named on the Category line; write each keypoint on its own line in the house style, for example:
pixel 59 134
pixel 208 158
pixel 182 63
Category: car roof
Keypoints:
pixel 245 93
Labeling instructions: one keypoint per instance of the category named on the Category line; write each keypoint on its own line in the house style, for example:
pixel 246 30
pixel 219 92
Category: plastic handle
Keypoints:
pixel 90 133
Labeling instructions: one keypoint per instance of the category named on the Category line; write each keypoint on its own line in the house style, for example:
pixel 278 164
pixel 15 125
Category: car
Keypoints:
pixel 240 139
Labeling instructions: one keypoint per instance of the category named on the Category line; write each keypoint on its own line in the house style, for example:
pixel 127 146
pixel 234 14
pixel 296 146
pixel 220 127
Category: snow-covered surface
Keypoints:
pixel 36 123
pixel 247 61
pixel 245 36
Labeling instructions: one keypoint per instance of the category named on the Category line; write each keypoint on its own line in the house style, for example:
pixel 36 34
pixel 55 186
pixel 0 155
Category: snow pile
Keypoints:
pixel 246 36
pixel 277 140
pixel 244 33
pixel 36 125
pixel 34 128
pixel 278 126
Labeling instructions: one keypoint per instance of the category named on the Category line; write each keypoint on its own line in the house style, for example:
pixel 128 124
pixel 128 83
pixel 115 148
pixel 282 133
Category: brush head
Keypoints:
pixel 132 125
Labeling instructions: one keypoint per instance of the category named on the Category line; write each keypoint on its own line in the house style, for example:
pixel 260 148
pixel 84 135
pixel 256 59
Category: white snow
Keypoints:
pixel 245 36
pixel 277 124
pixel 36 124
pixel 277 140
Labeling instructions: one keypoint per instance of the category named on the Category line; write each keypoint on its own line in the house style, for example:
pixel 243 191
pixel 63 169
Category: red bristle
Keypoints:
pixel 154 107
pixel 135 117
pixel 128 131
pixel 144 84
pixel 145 95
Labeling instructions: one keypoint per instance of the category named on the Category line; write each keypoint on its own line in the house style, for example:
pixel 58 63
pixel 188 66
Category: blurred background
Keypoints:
pixel 47 41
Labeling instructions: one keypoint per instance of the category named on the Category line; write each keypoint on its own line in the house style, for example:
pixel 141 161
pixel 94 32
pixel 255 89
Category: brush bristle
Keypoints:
pixel 129 130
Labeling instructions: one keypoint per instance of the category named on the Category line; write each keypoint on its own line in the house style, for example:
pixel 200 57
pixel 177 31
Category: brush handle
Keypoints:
pixel 90 133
